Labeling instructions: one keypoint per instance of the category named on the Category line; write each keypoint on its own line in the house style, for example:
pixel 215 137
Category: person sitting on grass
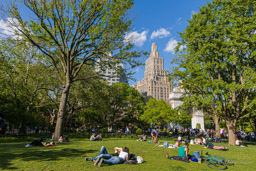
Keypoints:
pixel 183 150
pixel 65 139
pixel 198 141
pixel 106 158
pixel 95 138
pixel 240 143
pixel 143 138
pixel 180 138
pixel 211 146
pixel 183 153
pixel 204 142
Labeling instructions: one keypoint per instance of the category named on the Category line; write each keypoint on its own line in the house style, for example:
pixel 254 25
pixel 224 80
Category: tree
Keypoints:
pixel 134 103
pixel 23 90
pixel 157 111
pixel 75 34
pixel 217 63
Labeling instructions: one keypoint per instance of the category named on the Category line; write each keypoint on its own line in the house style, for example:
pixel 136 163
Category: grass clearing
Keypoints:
pixel 71 156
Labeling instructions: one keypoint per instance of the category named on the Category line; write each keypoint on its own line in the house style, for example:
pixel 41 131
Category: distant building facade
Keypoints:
pixel 155 82
pixel 175 100
pixel 111 75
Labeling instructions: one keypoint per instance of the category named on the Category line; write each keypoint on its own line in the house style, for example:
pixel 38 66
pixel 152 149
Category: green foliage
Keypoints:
pixel 138 131
pixel 198 126
pixel 157 111
pixel 25 95
pixel 248 129
pixel 75 35
pixel 217 63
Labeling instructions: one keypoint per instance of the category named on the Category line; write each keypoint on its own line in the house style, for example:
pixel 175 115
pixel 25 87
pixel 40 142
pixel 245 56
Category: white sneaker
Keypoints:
pixel 28 145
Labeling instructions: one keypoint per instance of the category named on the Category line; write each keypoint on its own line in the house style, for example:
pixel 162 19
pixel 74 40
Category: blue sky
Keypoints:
pixel 156 21
pixel 159 22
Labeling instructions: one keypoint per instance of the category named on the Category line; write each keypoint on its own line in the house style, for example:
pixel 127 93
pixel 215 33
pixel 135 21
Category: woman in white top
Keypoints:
pixel 123 156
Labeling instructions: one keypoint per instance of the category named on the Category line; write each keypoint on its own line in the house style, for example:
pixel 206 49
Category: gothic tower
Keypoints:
pixel 155 82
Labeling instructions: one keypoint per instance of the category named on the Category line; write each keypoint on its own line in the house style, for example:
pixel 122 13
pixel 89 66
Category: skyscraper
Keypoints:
pixel 113 75
pixel 155 82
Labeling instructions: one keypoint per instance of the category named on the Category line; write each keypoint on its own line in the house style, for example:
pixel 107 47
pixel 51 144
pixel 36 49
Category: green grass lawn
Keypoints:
pixel 71 156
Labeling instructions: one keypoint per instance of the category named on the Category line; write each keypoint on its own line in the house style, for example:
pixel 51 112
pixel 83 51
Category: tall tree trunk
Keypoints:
pixel 217 125
pixel 60 120
pixel 231 125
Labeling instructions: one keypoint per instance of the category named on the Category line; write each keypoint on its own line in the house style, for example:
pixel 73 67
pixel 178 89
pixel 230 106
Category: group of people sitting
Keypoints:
pixel 143 137
pixel 197 140
pixel 121 155
pixel 95 137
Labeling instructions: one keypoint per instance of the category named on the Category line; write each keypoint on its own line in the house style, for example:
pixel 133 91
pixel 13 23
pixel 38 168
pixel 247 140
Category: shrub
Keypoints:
pixel 138 131
pixel 198 126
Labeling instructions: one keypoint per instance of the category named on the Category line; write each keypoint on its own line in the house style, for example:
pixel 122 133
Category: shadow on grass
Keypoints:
pixel 13 151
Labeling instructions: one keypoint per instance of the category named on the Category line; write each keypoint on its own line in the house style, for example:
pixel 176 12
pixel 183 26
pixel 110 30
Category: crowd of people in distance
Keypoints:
pixel 123 155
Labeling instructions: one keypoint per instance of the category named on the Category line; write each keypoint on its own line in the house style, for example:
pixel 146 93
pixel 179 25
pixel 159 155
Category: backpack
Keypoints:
pixel 166 144
pixel 196 155
pixel 139 159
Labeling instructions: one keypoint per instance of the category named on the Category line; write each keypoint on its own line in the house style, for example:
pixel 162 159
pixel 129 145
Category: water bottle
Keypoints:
pixel 199 160
pixel 167 155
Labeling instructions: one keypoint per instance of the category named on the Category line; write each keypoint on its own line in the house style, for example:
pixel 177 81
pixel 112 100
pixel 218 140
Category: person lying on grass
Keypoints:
pixel 211 146
pixel 177 145
pixel 105 157
pixel 183 153
pixel 40 143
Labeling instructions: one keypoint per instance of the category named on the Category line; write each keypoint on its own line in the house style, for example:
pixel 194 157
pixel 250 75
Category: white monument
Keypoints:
pixel 175 101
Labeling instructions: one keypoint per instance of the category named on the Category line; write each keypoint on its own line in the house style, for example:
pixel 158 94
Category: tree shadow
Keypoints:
pixel 14 151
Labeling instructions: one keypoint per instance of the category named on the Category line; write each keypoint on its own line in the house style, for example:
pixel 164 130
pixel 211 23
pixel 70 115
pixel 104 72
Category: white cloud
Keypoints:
pixel 170 46
pixel 161 33
pixel 179 21
pixel 136 38
pixel 7 29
